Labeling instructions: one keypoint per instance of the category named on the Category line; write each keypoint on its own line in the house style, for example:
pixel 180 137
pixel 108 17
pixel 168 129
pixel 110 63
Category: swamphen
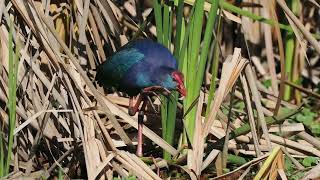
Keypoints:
pixel 141 66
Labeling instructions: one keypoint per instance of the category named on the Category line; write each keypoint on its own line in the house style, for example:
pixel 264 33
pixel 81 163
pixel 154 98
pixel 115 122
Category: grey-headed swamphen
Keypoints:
pixel 141 66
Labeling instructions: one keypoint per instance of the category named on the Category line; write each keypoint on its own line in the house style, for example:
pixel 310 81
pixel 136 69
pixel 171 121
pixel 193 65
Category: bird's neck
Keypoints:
pixel 164 78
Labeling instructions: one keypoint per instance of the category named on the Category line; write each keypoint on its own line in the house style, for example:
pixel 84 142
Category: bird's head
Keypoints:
pixel 177 76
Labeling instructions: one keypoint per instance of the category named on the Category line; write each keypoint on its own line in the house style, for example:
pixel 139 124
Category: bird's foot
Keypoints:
pixel 154 89
pixel 149 92
pixel 133 109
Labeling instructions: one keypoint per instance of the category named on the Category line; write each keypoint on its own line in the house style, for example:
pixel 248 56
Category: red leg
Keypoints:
pixel 140 126
pixel 140 139
pixel 132 110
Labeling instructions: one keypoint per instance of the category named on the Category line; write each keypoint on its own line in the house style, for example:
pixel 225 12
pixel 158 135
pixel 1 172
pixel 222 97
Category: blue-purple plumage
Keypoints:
pixel 137 65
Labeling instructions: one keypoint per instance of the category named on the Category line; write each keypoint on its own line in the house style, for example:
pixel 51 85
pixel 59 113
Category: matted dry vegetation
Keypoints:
pixel 68 126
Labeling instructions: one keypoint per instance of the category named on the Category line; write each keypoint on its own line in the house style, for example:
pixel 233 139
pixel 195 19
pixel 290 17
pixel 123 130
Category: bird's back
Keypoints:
pixel 155 53
pixel 135 66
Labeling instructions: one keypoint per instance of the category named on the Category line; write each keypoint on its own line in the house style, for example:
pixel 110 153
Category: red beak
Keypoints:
pixel 178 77
pixel 182 90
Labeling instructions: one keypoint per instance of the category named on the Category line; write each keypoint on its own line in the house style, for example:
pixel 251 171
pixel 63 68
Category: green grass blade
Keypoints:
pixel 1 155
pixel 290 51
pixel 158 16
pixel 290 44
pixel 164 117
pixel 171 103
pixel 11 100
pixel 13 72
pixel 205 48
pixel 215 67
pixel 166 25
pixel 179 28
pixel 194 47
pixel 168 107
pixel 170 122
